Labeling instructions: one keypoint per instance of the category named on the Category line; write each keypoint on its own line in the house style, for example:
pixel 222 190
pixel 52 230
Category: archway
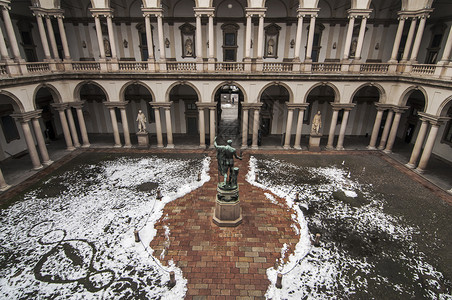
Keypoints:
pixel 138 97
pixel 273 114
pixel 410 123
pixel 229 98
pixel 362 117
pixel 184 108
pixel 44 98
pixel 11 142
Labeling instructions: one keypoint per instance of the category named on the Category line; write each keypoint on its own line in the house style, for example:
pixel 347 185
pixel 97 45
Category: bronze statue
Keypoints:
pixel 225 157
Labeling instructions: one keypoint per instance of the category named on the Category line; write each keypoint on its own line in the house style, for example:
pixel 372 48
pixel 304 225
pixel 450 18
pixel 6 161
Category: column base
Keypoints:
pixel 127 146
pixel 329 147
pixel 117 146
pixel 371 148
pixel 449 191
pixel 380 148
pixel 286 147
pixel 419 171
pixel 159 146
pixel 340 148
pixel 244 147
pixel 38 167
pixel 254 147
pixel 297 147
pixel 86 145
pixel 77 145
pixel 387 151
pixel 410 166
pixel 4 188
pixel 170 146
pixel 72 148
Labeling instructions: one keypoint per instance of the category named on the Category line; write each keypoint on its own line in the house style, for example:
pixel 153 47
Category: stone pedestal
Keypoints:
pixel 143 140
pixel 314 142
pixel 227 207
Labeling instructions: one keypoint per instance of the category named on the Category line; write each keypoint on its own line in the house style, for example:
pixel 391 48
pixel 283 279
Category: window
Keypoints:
pixel 316 42
pixel 435 43
pixel 230 41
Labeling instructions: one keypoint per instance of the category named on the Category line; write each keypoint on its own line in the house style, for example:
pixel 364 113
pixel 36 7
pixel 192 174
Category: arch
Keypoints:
pixel 126 85
pixel 289 90
pixel 335 90
pixel 53 91
pixel 441 111
pixel 380 89
pixel 168 91
pixel 245 97
pixel 17 104
pixel 406 94
pixel 81 84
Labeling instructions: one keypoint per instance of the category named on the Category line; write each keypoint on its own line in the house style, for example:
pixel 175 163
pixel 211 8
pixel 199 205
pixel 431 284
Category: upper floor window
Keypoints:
pixel 230 41
pixel 435 43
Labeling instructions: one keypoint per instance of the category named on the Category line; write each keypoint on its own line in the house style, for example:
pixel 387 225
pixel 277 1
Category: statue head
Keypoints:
pixel 229 142
pixel 318 112
pixel 139 111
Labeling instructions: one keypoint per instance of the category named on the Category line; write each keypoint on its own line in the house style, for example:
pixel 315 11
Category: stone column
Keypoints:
pixel 248 36
pixel 288 128
pixel 3 50
pixel 348 39
pixel 111 37
pixel 30 144
pixel 310 37
pixel 99 37
pixel 114 123
pixel 394 128
pixel 147 22
pixel 384 136
pixel 340 140
pixel 428 147
pixel 212 125
pixel 362 31
pixel 61 107
pixel 42 34
pixel 417 40
pixel 245 127
pixel 255 128
pixel 301 109
pixel 63 37
pixel 418 145
pixel 41 143
pixel 329 145
pixel 10 32
pixel 202 128
pixel 3 185
pixel 211 40
pixel 448 48
pixel 298 37
pixel 398 37
pixel 169 129
pixel 376 128
pixel 161 40
pixel 158 126
pixel 409 40
pixel 198 37
pixel 70 119
pixel 52 37
pixel 125 126
pixel 81 123
pixel 260 37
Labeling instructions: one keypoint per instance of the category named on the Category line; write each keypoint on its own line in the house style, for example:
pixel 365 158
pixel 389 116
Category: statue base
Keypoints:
pixel 227 207
pixel 143 140
pixel 314 142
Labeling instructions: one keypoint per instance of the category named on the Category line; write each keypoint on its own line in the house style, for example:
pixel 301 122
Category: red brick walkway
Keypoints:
pixel 219 262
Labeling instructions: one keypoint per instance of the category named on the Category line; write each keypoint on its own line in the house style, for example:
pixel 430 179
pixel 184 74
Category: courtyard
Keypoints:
pixel 383 234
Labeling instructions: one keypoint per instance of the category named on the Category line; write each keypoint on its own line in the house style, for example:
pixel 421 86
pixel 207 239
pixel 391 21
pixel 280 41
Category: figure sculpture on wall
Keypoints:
pixel 316 123
pixel 107 47
pixel 225 157
pixel 270 47
pixel 188 47
pixel 141 119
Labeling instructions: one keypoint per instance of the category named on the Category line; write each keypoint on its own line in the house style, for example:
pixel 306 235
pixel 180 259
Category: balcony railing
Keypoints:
pixel 229 67
pixel 38 67
pixel 326 67
pixel 277 67
pixel 374 68
pixel 181 66
pixel 86 66
pixel 22 69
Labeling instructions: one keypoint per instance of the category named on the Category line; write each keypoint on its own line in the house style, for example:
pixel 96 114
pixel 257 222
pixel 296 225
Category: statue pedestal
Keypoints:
pixel 143 140
pixel 314 142
pixel 227 208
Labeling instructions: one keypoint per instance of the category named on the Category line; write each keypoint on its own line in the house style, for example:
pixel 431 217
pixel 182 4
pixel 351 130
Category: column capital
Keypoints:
pixel 255 11
pixel 106 12
pixel 202 105
pixel 432 119
pixel 27 116
pixel 60 106
pixel 340 106
pixel 383 106
pixel 307 11
pixel 252 105
pixel 119 104
pixel 355 13
pixel 160 104
pixel 300 106
pixel 415 13
pixel 77 104
pixel 399 109
pixel 158 12
pixel 204 11
pixel 4 4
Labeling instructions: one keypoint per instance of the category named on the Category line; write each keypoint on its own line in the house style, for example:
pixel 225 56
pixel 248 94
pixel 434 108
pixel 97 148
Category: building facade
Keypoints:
pixel 374 68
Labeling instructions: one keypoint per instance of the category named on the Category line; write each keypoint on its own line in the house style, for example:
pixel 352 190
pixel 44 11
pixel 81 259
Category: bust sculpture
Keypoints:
pixel 141 119
pixel 316 123
pixel 225 157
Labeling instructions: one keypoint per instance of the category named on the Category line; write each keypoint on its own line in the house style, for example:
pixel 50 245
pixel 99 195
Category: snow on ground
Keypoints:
pixel 363 246
pixel 73 237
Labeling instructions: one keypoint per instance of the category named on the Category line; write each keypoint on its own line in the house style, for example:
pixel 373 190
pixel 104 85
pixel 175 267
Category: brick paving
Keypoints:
pixel 221 262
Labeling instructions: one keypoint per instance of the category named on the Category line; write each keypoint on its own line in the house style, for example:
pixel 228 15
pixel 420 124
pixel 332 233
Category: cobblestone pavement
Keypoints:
pixel 221 262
